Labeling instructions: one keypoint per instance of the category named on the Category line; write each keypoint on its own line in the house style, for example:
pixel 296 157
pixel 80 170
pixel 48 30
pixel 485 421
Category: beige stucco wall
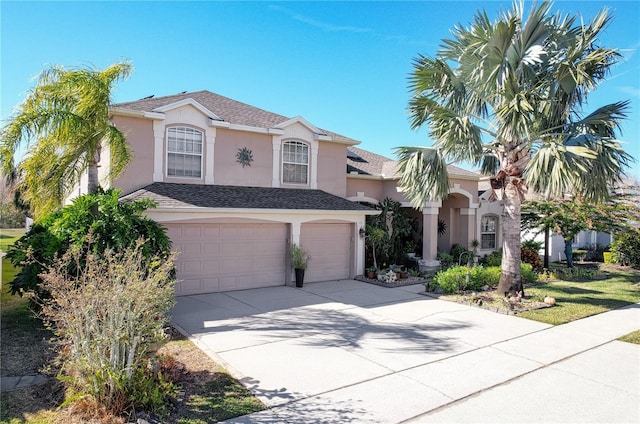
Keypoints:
pixel 139 134
pixel 227 171
pixel 332 166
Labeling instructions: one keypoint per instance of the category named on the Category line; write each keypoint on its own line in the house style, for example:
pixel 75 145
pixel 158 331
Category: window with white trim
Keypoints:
pixel 295 162
pixel 488 226
pixel 184 152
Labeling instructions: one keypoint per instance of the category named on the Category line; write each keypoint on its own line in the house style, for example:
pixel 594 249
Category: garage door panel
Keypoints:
pixel 330 248
pixel 222 257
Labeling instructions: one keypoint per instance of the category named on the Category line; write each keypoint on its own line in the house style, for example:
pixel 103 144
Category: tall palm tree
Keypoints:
pixel 64 124
pixel 507 96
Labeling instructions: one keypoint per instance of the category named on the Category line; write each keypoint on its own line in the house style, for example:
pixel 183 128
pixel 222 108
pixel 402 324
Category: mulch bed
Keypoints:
pixel 409 281
pixel 491 301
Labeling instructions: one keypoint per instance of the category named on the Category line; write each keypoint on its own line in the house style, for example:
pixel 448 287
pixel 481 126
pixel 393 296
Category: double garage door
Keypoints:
pixel 224 257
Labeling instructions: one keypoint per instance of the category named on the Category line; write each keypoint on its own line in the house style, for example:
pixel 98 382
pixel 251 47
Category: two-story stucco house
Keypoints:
pixel 236 185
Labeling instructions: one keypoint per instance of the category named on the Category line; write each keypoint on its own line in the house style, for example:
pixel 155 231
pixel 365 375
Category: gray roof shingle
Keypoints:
pixel 227 109
pixel 379 165
pixel 171 195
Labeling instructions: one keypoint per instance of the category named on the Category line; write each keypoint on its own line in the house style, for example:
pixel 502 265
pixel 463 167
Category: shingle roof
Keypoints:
pixel 171 195
pixel 383 166
pixel 227 109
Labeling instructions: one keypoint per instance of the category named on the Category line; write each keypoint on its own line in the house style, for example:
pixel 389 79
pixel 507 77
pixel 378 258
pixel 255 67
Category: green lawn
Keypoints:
pixel 580 299
pixel 631 337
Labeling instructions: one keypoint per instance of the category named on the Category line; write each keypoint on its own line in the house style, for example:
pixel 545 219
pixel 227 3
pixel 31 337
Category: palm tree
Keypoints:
pixel 507 96
pixel 64 124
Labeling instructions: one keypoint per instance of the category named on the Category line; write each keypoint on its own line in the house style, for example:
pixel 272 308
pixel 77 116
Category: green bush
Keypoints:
pixel 457 252
pixel 528 274
pixel 112 225
pixel 454 278
pixel 493 259
pixel 446 260
pixel 625 248
pixel 108 318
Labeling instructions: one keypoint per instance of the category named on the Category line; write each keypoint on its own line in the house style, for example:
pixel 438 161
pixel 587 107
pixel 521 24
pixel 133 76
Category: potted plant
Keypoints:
pixel 372 272
pixel 300 260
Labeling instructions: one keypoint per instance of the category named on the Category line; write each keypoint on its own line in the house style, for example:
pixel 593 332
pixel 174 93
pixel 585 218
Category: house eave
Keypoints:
pixel 260 211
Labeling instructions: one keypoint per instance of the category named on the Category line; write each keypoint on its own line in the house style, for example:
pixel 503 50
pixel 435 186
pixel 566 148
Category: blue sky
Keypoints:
pixel 341 65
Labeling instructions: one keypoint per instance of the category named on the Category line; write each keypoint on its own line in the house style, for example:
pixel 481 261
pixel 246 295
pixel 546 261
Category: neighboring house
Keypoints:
pixel 236 185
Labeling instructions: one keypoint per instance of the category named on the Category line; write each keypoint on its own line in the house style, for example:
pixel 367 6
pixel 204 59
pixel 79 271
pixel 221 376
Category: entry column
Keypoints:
pixel 430 230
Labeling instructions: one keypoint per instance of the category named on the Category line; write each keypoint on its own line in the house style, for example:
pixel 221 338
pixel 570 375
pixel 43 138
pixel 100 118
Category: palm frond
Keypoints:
pixel 423 174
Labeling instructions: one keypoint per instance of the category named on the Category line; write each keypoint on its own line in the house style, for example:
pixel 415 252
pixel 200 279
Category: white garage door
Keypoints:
pixel 330 248
pixel 223 257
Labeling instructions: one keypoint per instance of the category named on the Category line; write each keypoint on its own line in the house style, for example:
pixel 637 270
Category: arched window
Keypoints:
pixel 488 227
pixel 295 162
pixel 184 152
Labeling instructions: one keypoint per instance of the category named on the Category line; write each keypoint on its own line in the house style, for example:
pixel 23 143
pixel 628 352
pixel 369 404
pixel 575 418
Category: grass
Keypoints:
pixel 580 299
pixel 631 337
pixel 210 393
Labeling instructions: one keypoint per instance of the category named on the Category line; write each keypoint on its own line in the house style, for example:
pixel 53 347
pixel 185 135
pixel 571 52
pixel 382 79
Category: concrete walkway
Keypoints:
pixel 346 351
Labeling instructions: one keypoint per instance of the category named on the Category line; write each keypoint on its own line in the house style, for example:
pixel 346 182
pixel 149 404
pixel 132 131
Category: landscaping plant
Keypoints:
pixel 625 248
pixel 108 311
pixel 113 225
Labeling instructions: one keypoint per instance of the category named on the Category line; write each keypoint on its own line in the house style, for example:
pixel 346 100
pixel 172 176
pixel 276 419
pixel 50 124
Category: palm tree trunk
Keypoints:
pixel 510 278
pixel 93 182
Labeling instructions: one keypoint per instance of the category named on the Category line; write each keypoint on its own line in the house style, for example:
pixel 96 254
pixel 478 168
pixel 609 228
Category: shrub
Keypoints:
pixel 530 256
pixel 455 278
pixel 532 244
pixel 528 274
pixel 112 225
pixel 493 259
pixel 625 248
pixel 458 251
pixel 446 260
pixel 107 318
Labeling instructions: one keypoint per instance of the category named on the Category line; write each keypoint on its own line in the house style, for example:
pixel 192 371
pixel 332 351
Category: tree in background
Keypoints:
pixel 568 217
pixel 507 96
pixel 63 125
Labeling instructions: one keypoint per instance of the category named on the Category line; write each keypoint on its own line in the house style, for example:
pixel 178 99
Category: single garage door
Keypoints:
pixel 330 248
pixel 223 257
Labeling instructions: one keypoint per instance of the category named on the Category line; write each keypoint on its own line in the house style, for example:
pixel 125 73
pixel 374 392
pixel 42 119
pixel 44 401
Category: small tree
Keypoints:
pixel 568 217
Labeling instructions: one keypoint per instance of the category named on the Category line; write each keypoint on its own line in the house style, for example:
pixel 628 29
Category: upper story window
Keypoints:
pixel 184 152
pixel 488 226
pixel 295 162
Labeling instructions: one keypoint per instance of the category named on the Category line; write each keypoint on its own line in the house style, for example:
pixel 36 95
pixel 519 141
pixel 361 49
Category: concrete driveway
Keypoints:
pixel 347 351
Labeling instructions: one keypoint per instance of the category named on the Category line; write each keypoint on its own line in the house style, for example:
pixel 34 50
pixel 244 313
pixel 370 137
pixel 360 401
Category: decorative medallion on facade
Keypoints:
pixel 244 157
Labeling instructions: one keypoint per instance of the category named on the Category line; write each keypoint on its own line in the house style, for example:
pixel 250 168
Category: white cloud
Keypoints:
pixel 325 26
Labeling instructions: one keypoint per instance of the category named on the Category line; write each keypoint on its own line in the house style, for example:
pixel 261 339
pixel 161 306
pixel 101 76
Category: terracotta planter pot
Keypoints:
pixel 371 275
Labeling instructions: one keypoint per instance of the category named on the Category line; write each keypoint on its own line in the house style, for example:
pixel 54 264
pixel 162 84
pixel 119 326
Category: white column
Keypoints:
pixel 209 169
pixel 314 164
pixel 158 150
pixel 275 170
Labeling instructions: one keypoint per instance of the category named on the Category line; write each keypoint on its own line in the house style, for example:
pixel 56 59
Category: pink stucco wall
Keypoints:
pixel 227 171
pixel 139 133
pixel 332 167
